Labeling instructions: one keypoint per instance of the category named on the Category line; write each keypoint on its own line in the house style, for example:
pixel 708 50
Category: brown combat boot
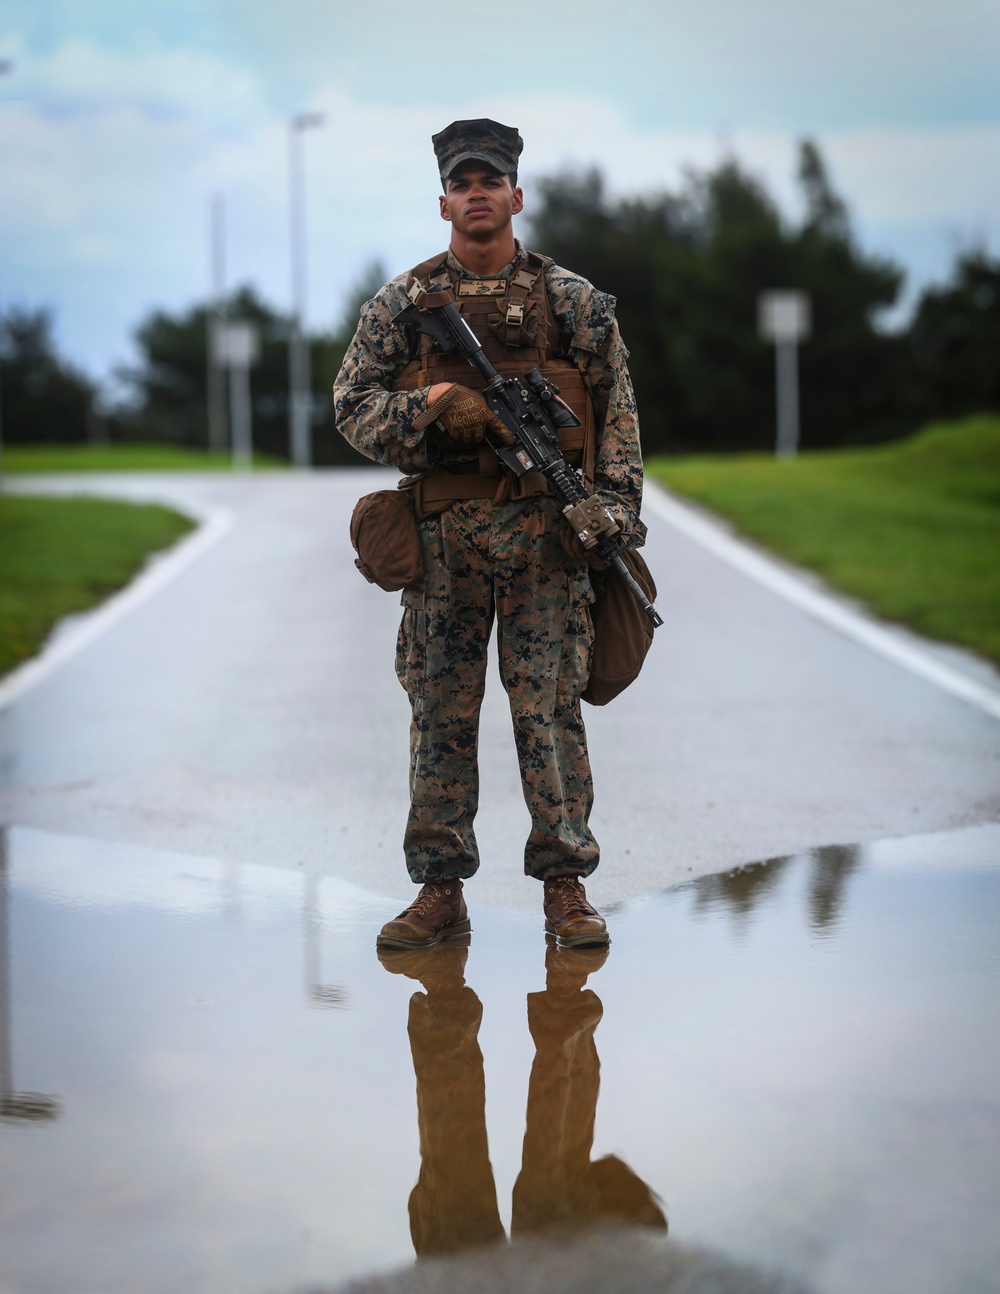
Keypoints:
pixel 437 913
pixel 568 915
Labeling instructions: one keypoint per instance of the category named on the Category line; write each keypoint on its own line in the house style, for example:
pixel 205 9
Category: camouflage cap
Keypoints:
pixel 481 140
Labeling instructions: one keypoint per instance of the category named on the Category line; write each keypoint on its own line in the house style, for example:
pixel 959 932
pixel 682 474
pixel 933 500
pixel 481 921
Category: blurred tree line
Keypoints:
pixel 44 399
pixel 165 394
pixel 169 386
pixel 686 268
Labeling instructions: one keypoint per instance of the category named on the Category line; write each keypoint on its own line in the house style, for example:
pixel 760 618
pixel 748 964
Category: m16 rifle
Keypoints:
pixel 532 413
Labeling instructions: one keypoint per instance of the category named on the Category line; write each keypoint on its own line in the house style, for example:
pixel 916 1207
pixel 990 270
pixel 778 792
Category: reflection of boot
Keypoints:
pixel 453 1205
pixel 436 969
pixel 566 969
pixel 558 1186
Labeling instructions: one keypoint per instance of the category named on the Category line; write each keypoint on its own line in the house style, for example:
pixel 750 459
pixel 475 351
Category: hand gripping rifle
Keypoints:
pixel 532 412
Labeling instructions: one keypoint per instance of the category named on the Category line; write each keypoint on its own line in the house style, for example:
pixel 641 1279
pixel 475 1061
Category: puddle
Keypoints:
pixel 211 1083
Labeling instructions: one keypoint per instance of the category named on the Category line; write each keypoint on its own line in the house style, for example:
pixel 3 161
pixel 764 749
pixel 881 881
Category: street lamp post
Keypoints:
pixel 785 318
pixel 216 318
pixel 299 375
pixel 6 65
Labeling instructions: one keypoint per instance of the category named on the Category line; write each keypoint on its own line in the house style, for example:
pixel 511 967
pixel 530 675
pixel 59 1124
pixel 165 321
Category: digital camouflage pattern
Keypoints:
pixel 507 560
pixel 481 140
pixel 379 422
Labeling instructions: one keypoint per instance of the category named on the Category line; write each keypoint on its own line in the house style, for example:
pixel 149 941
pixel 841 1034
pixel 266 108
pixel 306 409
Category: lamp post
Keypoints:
pixel 216 319
pixel 299 376
pixel 785 318
pixel 6 65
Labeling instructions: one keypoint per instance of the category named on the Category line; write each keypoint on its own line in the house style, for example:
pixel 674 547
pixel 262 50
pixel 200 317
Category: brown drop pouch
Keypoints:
pixel 385 536
pixel 622 631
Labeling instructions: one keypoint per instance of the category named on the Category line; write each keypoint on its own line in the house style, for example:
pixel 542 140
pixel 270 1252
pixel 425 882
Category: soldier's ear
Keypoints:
pixel 445 213
pixel 518 203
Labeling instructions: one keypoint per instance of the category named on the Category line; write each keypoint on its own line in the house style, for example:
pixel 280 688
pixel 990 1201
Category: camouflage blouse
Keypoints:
pixel 378 422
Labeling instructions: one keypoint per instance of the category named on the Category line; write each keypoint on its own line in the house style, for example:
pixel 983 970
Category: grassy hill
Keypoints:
pixel 120 458
pixel 911 528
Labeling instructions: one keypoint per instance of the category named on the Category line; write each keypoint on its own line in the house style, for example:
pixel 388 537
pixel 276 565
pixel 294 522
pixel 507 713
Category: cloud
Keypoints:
pixel 921 175
pixel 111 157
pixel 83 79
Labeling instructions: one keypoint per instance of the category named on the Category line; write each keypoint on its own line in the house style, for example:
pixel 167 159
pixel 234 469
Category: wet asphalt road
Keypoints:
pixel 248 711
pixel 207 1078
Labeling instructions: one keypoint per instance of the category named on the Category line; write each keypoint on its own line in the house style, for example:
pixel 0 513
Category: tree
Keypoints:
pixel 687 268
pixel 954 340
pixel 169 395
pixel 45 399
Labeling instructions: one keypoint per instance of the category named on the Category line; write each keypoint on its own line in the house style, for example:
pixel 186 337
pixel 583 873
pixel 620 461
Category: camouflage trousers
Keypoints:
pixel 484 562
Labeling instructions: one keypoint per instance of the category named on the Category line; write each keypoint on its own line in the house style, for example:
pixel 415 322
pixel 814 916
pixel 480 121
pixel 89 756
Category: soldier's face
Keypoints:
pixel 478 201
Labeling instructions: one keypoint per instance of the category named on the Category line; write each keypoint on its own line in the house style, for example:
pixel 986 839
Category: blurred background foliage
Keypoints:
pixel 686 268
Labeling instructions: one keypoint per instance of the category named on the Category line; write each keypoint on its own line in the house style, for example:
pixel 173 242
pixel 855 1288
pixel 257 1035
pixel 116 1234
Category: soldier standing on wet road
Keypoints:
pixel 493 546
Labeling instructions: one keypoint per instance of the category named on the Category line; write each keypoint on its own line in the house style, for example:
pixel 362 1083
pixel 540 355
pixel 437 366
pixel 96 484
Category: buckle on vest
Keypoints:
pixel 515 314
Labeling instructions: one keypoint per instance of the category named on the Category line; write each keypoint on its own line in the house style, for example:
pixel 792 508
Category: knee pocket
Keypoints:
pixel 578 644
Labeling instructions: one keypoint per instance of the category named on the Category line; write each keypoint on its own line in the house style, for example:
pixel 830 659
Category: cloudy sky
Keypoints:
pixel 119 119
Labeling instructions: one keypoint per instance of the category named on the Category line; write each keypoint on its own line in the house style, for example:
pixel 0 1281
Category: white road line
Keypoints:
pixel 748 561
pixel 214 522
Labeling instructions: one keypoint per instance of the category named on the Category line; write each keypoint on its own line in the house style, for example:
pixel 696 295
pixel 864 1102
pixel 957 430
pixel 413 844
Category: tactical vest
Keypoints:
pixel 513 319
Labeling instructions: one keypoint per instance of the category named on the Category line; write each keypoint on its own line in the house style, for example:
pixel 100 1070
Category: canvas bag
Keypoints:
pixel 622 631
pixel 385 536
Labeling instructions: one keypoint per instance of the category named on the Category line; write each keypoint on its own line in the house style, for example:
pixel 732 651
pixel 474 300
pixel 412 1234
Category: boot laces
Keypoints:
pixel 568 891
pixel 428 898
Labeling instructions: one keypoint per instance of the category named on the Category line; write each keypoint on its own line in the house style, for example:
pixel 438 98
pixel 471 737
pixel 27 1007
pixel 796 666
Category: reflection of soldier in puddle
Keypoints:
pixel 454 1206
pixel 558 1185
pixel 454 1203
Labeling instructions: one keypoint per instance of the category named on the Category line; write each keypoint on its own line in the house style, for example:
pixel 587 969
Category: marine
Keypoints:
pixel 494 549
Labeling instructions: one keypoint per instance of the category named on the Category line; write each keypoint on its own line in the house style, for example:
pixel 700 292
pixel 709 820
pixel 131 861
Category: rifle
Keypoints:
pixel 532 412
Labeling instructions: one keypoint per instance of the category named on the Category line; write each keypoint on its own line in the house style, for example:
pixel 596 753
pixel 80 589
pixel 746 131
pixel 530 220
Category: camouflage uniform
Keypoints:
pixel 504 560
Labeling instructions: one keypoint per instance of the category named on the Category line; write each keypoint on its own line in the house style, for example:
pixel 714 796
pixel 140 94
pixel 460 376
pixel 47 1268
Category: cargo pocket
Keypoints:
pixel 411 649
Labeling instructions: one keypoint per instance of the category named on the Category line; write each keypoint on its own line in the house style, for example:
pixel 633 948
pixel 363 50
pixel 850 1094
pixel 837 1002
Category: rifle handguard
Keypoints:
pixel 591 521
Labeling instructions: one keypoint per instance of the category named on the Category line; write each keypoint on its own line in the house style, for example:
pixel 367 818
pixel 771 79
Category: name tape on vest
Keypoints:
pixel 482 287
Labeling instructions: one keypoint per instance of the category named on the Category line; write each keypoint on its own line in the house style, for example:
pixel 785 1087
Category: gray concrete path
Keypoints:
pixel 248 710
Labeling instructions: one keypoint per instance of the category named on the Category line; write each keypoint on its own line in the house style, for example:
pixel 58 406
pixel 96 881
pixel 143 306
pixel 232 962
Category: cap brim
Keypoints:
pixel 499 164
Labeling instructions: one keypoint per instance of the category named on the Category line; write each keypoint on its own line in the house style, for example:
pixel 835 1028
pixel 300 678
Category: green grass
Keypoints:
pixel 912 528
pixel 58 556
pixel 120 458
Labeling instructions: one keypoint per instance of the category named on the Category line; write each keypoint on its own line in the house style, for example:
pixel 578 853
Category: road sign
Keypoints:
pixel 237 343
pixel 785 318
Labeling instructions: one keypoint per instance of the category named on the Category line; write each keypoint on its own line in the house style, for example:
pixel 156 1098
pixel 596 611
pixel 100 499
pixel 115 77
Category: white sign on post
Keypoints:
pixel 785 318
pixel 237 345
